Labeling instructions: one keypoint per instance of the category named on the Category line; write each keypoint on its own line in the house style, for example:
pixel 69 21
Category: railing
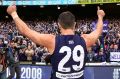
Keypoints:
pixel 87 64
pixel 40 70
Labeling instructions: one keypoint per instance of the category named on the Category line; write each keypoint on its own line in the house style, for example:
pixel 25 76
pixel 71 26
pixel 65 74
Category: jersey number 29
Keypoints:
pixel 75 57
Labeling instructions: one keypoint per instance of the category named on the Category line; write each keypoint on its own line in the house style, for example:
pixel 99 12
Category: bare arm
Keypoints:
pixel 41 39
pixel 91 38
pixel 46 40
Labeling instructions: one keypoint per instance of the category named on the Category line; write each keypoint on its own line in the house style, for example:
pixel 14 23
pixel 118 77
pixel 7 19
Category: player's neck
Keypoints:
pixel 67 32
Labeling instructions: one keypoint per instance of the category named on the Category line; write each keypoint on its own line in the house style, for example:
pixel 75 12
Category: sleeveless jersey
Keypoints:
pixel 68 59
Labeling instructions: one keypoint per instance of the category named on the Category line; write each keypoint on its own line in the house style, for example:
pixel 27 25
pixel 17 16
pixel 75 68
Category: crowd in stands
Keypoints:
pixel 112 37
pixel 28 51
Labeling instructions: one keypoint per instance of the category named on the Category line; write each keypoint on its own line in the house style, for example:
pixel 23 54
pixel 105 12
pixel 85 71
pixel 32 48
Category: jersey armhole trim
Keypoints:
pixel 85 43
pixel 55 45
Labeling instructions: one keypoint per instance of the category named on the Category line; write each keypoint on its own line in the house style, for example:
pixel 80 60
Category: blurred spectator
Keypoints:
pixel 29 53
pixel 101 56
pixel 22 56
pixel 38 53
pixel 15 66
pixel 1 43
pixel 90 55
pixel 3 65
pixel 116 48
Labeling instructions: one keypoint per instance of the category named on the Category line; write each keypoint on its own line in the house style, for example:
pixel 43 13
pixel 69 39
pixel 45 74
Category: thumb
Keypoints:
pixel 14 3
pixel 98 8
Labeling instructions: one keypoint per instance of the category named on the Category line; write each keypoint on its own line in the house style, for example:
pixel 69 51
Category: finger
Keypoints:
pixel 98 8
pixel 14 4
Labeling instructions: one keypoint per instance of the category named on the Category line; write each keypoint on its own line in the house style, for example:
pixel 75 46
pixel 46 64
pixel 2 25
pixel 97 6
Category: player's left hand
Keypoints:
pixel 100 12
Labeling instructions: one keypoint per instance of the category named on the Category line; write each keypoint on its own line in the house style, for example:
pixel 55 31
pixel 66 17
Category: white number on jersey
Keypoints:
pixel 76 58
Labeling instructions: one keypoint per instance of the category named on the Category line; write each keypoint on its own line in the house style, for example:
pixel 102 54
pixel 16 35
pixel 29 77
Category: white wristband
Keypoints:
pixel 14 15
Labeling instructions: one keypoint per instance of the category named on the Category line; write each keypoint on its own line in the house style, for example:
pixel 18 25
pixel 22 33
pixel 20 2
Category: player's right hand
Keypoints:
pixel 100 13
pixel 11 9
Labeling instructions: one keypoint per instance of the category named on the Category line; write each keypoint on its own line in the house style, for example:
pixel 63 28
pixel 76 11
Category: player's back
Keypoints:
pixel 68 59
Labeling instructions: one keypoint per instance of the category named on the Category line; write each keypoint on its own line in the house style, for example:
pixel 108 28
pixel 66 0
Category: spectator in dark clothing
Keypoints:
pixel 15 67
pixel 101 56
pixel 90 55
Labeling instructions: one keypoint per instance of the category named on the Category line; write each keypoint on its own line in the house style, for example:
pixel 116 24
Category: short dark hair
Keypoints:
pixel 66 20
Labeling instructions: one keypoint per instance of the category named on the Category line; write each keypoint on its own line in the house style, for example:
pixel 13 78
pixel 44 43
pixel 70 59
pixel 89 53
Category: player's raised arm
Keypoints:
pixel 46 40
pixel 91 38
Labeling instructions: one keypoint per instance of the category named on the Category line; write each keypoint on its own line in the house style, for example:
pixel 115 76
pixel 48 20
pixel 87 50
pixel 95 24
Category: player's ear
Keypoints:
pixel 74 24
pixel 59 25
